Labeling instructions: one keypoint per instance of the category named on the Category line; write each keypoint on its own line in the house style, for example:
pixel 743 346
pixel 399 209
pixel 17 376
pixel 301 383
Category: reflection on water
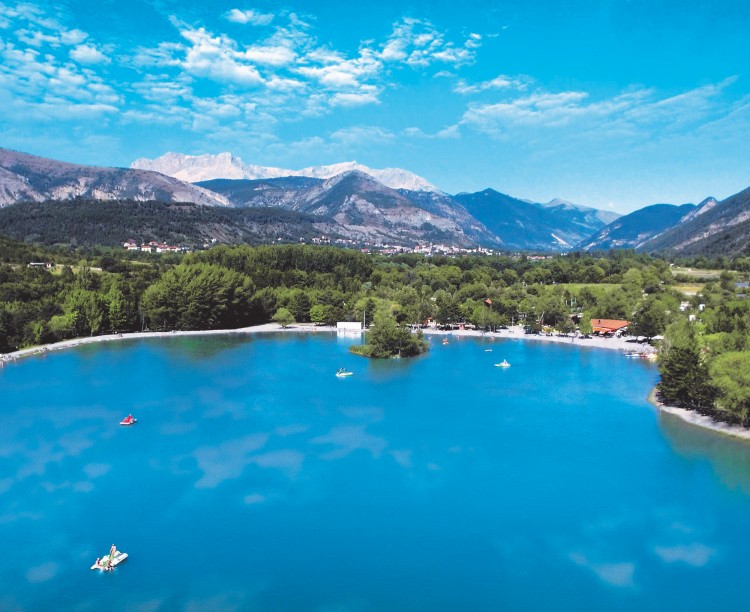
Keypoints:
pixel 257 479
pixel 729 457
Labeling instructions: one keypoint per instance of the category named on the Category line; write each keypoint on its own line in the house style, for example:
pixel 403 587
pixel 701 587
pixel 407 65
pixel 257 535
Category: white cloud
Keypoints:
pixel 614 574
pixel 285 85
pixel 474 41
pixel 36 38
pixel 289 73
pixel 249 16
pixel 72 37
pixel 695 555
pixel 451 132
pixel 254 498
pixel 42 573
pixel 88 54
pixel 162 89
pixel 363 134
pixel 336 72
pixel 41 79
pixel 31 26
pixel 165 54
pixel 277 55
pixel 633 112
pixel 517 83
pixel 217 58
pixel 354 99
pixel 284 75
pixel 417 43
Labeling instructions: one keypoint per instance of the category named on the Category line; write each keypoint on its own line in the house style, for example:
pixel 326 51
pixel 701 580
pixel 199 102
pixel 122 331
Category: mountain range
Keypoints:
pixel 555 226
pixel 362 205
pixel 363 209
pixel 635 230
pixel 713 228
pixel 196 168
pixel 404 200
pixel 26 177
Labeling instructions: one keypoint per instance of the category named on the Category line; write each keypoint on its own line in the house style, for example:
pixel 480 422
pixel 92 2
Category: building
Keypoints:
pixel 609 326
pixel 349 327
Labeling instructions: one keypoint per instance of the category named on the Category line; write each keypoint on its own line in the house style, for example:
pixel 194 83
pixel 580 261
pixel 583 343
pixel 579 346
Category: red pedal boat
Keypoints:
pixel 129 420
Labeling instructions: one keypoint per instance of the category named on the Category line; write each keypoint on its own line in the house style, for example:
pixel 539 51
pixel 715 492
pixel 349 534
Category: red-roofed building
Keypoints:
pixel 608 326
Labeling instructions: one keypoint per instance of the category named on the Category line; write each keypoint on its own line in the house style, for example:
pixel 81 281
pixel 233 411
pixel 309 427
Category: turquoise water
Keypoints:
pixel 257 480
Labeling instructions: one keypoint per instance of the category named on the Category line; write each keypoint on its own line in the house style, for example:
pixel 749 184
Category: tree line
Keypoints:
pixel 705 362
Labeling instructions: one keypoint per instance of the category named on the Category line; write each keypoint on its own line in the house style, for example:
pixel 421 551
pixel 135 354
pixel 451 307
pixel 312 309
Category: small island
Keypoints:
pixel 387 338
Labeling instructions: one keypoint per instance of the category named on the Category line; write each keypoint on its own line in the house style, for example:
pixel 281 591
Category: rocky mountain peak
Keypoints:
pixel 197 168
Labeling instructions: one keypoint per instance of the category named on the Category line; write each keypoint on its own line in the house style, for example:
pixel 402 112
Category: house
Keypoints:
pixel 349 327
pixel 608 326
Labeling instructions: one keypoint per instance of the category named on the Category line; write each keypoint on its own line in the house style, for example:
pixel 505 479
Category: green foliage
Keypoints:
pixel 731 375
pixel 90 222
pixel 685 380
pixel 283 317
pixel 100 290
pixel 319 314
pixel 198 296
pixel 299 305
pixel 650 319
pixel 387 338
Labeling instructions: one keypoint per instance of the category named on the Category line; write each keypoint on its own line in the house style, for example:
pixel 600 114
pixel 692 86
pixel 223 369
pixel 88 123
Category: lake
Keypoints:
pixel 255 479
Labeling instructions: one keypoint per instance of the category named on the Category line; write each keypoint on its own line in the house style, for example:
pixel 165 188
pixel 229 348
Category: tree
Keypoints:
pixel 299 305
pixel 585 326
pixel 685 380
pixel 387 338
pixel 633 277
pixel 283 317
pixel 730 373
pixel 565 326
pixel 447 309
pixel 198 296
pixel 319 314
pixel 649 320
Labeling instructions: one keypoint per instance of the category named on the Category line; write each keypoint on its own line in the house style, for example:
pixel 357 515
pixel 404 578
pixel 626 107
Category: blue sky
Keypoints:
pixel 614 104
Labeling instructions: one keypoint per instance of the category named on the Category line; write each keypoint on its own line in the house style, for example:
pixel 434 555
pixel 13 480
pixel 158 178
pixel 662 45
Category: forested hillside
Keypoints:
pixel 110 223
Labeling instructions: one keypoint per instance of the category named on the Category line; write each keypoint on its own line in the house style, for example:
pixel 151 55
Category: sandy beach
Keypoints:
pixel 701 420
pixel 623 343
pixel 514 333
pixel 73 342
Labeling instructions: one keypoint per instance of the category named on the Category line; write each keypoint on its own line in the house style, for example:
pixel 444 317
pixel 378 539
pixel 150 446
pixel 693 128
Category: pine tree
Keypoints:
pixel 685 380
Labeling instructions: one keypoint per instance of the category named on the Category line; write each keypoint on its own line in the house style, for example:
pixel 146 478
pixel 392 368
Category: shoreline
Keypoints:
pixel 512 333
pixel 700 420
pixel 74 342
pixel 516 333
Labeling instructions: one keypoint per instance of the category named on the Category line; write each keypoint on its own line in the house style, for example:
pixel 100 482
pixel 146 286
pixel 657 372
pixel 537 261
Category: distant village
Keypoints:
pixel 384 249
pixel 422 249
pixel 154 247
